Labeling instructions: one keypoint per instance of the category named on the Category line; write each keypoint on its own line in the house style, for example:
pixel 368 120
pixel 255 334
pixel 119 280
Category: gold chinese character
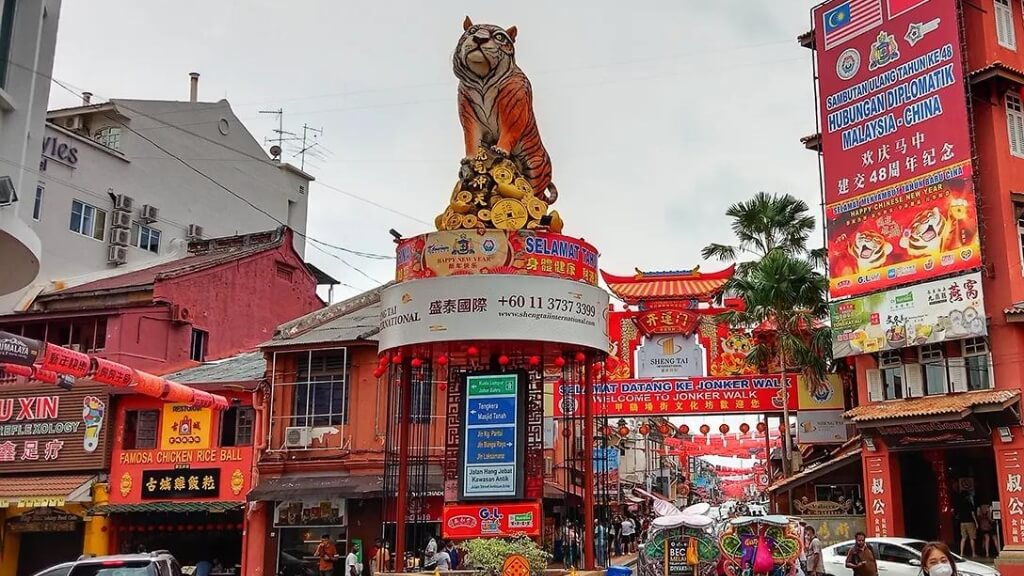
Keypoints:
pixel 649 406
pixel 755 403
pixel 709 405
pixel 151 485
pixel 165 483
pixel 724 404
pixel 208 483
pixel 179 483
pixel 740 404
pixel 663 406
pixel 193 482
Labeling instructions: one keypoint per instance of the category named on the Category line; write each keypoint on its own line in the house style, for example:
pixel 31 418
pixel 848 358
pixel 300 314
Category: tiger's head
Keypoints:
pixel 485 52
pixel 926 233
pixel 870 249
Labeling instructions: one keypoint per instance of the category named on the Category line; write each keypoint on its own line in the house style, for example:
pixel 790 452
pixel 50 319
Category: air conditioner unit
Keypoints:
pixel 149 213
pixel 122 202
pixel 194 231
pixel 122 219
pixel 297 436
pixel 549 466
pixel 181 314
pixel 120 236
pixel 117 255
pixel 75 347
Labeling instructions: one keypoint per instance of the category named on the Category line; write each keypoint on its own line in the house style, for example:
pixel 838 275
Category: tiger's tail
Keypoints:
pixel 550 194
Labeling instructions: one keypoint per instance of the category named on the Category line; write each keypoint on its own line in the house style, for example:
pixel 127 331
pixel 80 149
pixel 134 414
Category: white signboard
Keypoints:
pixel 670 356
pixel 821 427
pixel 494 307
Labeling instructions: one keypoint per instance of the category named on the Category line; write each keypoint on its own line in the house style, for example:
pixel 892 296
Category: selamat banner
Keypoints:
pixel 494 307
pixel 899 193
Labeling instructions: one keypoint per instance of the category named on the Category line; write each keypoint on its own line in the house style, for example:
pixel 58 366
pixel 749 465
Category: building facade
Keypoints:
pixel 926 262
pixel 28 37
pixel 110 192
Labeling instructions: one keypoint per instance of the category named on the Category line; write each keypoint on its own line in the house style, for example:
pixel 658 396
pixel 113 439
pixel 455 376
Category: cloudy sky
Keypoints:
pixel 657 114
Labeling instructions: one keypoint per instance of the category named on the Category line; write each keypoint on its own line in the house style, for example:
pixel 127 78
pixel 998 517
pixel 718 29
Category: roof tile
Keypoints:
pixel 948 404
pixel 39 486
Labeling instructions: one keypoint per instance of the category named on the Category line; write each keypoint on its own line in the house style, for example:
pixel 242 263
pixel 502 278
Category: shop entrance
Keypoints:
pixel 40 550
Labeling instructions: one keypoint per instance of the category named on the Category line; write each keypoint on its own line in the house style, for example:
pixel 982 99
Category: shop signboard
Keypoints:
pixel 880 514
pixel 670 356
pixel 17 350
pixel 465 521
pixel 934 433
pixel 188 452
pixel 606 468
pixel 44 520
pixel 470 252
pixel 948 309
pixel 675 556
pixel 48 429
pixel 492 444
pixel 821 427
pixel 487 308
pixel 646 396
pixel 310 513
pixel 899 193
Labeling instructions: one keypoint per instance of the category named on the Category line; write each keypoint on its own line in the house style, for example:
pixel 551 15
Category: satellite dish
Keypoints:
pixel 275 151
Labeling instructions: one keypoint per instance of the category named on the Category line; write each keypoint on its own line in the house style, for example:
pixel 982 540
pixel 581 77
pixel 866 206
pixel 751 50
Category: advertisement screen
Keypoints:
pixel 895 140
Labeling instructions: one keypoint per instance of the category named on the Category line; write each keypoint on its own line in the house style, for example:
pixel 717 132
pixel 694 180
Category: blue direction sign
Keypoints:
pixel 491 411
pixel 491 445
pixel 490 436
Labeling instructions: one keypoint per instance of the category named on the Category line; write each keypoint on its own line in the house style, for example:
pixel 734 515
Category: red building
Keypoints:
pixel 928 327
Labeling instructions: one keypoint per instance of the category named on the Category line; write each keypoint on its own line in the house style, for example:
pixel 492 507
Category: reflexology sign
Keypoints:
pixel 53 430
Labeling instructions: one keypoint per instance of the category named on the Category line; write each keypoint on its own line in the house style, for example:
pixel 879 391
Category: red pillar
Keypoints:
pixel 588 467
pixel 1010 478
pixel 937 459
pixel 253 540
pixel 883 494
pixel 401 503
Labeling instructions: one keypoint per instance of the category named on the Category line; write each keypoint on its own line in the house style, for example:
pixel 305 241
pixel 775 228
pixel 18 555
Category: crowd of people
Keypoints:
pixel 617 536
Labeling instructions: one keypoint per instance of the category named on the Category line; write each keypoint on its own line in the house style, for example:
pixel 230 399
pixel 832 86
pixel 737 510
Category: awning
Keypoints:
pixel 166 507
pixel 946 407
pixel 334 486
pixel 816 471
pixel 42 491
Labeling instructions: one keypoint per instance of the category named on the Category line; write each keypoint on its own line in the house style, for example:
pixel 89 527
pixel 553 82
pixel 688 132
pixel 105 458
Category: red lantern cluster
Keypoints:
pixel 744 427
pixel 663 429
pixel 684 429
pixel 724 428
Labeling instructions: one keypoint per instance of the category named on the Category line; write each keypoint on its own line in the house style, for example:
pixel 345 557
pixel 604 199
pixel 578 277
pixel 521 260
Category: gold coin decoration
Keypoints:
pixel 492 192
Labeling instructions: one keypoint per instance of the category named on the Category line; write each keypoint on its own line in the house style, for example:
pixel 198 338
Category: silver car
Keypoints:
pixel 895 557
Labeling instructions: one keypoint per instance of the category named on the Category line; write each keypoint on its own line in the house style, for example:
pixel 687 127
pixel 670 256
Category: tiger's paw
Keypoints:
pixel 501 153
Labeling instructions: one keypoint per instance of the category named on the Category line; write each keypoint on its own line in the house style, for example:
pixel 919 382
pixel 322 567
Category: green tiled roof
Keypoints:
pixel 167 507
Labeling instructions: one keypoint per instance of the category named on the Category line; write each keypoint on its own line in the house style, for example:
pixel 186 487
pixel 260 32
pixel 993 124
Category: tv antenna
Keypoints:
pixel 282 135
pixel 309 144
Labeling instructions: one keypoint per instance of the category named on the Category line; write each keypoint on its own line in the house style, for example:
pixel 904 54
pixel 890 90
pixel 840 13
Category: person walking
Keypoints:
pixel 937 560
pixel 326 553
pixel 443 560
pixel 861 558
pixel 352 566
pixel 815 562
pixel 453 554
pixel 968 522
pixel 986 533
pixel 381 557
pixel 601 544
pixel 628 532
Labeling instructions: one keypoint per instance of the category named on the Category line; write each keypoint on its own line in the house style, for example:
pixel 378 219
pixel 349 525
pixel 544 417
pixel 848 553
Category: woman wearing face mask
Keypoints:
pixel 937 560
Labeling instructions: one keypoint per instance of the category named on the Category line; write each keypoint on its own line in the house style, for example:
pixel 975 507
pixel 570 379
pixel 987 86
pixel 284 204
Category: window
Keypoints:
pixel 145 237
pixel 934 364
pixel 1019 209
pixel 140 428
pixel 897 554
pixel 109 137
pixel 321 389
pixel 37 206
pixel 7 13
pixel 88 220
pixel 1005 34
pixel 1015 123
pixel 197 351
pixel 236 426
pixel 891 366
pixel 977 361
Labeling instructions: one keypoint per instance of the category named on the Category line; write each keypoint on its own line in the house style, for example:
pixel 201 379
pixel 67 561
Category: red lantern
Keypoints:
pixel 535 360
pixel 442 386
pixel 663 428
pixel 724 428
pixel 762 427
pixel 644 430
pixel 684 429
pixel 580 357
pixel 397 358
pixel 503 360
pixel 623 430
pixel 442 360
pixel 851 361
pixel 181 527
pixel 744 427
pixel 704 429
pixel 383 361
pixel 240 526
pixel 566 431
pixel 377 373
pixel 210 527
pixel 150 528
pixel 416 362
pixel 559 361
pixel 472 350
pixel 200 527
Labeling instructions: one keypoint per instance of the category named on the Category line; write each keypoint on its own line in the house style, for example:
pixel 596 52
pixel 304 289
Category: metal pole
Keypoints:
pixel 401 498
pixel 590 527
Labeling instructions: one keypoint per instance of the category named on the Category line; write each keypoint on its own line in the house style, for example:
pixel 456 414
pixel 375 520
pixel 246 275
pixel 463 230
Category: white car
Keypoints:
pixel 895 557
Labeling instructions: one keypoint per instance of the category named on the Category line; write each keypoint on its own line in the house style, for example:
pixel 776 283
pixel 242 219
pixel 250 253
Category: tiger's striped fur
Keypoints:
pixel 496 103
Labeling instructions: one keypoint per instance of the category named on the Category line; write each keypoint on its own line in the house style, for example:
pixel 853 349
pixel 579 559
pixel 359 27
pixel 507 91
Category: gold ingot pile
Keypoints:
pixel 492 193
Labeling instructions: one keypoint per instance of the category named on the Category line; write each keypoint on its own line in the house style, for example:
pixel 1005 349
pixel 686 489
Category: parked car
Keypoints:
pixel 895 557
pixel 157 563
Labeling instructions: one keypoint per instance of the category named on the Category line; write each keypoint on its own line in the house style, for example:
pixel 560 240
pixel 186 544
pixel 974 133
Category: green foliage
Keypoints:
pixel 487 555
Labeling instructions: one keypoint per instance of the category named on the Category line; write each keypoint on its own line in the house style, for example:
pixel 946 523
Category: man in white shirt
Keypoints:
pixel 352 567
pixel 815 563
pixel 628 531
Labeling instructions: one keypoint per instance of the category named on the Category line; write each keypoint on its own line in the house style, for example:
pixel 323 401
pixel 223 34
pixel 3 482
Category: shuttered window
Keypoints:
pixel 1015 123
pixel 1005 33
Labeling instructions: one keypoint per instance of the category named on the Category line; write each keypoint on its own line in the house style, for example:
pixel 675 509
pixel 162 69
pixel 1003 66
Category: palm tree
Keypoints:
pixel 785 294
pixel 765 223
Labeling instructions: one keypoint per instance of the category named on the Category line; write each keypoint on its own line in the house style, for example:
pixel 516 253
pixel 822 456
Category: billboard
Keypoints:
pixel 949 309
pixel 461 522
pixel 899 195
pixel 670 356
pixel 821 427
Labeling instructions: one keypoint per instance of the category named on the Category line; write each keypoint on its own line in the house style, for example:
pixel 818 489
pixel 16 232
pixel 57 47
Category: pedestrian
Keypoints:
pixel 861 558
pixel 453 554
pixel 616 535
pixel 442 560
pixel 986 533
pixel 203 568
pixel 571 544
pixel 628 531
pixel 968 521
pixel 937 560
pixel 381 557
pixel 815 562
pixel 601 544
pixel 326 553
pixel 352 566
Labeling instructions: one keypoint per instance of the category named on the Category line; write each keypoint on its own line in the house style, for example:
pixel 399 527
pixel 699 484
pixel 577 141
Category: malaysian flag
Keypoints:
pixel 849 20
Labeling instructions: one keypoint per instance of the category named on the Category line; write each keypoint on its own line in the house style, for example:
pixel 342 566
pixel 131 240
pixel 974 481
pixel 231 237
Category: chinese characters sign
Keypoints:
pixel 51 429
pixel 462 252
pixel 1011 469
pixel 491 436
pixel 879 498
pixel 482 520
pixel 185 426
pixel 754 394
pixel 900 201
pixel 936 311
pixel 180 484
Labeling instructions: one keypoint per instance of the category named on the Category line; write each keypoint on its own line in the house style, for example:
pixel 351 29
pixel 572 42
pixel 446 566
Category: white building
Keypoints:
pixel 126 183
pixel 28 35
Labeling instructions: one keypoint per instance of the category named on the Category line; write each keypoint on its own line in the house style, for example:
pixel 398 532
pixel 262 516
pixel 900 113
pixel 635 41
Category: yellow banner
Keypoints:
pixel 185 427
pixel 827 395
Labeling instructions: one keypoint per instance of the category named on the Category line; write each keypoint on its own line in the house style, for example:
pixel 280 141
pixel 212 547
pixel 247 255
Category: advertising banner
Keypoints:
pixel 488 308
pixel 310 513
pixel 606 468
pixel 492 445
pixel 185 426
pixel 467 252
pixel 644 396
pixel 180 484
pixel 462 522
pixel 825 395
pixel 899 195
pixel 948 309
pixel 821 427
pixel 670 356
